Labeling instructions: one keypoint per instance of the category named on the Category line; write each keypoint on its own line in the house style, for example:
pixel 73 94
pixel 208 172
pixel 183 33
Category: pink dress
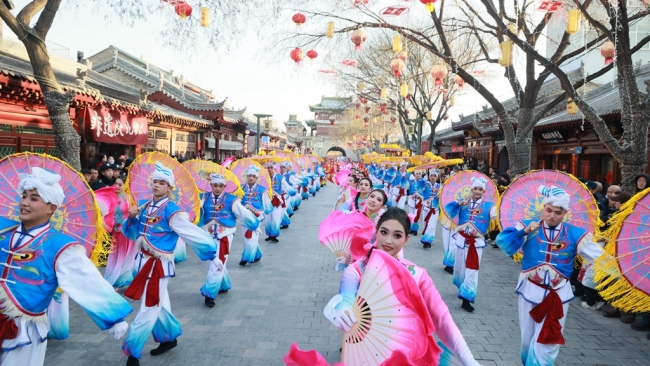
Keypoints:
pixel 120 261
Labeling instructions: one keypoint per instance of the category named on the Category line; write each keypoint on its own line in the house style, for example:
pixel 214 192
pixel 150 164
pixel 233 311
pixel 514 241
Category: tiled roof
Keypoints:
pixel 331 103
pixel 446 134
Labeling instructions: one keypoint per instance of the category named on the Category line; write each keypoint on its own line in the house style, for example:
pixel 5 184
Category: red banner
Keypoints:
pixel 116 127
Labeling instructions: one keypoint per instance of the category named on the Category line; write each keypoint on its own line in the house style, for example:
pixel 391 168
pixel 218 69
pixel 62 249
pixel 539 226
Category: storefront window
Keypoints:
pixel 161 135
pixel 6 128
pixel 34 130
pixel 565 165
pixel 7 150
pixel 191 138
pixel 180 137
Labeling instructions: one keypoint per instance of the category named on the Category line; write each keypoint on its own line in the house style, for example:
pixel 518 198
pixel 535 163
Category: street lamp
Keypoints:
pixel 257 138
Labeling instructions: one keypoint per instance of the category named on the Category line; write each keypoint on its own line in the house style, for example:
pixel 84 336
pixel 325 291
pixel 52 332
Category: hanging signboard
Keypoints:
pixel 116 127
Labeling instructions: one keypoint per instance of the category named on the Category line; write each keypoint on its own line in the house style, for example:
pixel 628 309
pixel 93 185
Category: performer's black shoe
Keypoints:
pixel 449 269
pixel 467 306
pixel 273 239
pixel 256 260
pixel 222 291
pixel 426 245
pixel 268 239
pixel 132 361
pixel 209 302
pixel 284 227
pixel 291 215
pixel 164 347
pixel 242 263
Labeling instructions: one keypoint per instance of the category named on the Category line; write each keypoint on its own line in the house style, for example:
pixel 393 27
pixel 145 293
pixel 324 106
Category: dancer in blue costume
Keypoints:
pixel 219 214
pixel 290 193
pixel 37 259
pixel 155 227
pixel 256 200
pixel 474 218
pixel 419 191
pixel 549 249
pixel 274 219
pixel 431 210
pixel 399 187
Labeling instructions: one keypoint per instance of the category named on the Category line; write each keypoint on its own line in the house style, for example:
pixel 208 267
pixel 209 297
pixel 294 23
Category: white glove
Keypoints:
pixel 118 330
pixel 343 319
pixel 216 265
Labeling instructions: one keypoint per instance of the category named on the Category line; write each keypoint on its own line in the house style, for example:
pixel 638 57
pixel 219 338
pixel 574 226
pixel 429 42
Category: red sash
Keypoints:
pixel 549 311
pixel 136 289
pixel 432 212
pixel 8 328
pixel 472 261
pixel 418 208
pixel 224 249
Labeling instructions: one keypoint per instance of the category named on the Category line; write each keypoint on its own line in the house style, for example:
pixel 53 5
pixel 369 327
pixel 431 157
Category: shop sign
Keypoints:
pixel 456 148
pixel 578 150
pixel 116 127
pixel 553 137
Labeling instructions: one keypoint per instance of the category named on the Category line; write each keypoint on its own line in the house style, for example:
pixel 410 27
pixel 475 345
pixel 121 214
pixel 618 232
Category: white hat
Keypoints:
pixel 555 196
pixel 46 183
pixel 478 182
pixel 286 164
pixel 403 163
pixel 164 174
pixel 434 171
pixel 253 170
pixel 217 179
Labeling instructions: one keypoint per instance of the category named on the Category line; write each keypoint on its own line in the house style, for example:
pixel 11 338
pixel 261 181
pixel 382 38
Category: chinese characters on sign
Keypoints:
pixel 116 127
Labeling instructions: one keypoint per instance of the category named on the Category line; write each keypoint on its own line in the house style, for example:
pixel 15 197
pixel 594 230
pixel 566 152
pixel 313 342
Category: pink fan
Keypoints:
pixel 298 357
pixel 107 202
pixel 226 163
pixel 391 316
pixel 341 177
pixel 345 234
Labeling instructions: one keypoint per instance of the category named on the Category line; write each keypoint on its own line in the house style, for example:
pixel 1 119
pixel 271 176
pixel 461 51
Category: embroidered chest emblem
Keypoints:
pixel 153 220
pixel 219 206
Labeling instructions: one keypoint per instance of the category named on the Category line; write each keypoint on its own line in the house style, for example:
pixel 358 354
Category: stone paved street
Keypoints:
pixel 280 300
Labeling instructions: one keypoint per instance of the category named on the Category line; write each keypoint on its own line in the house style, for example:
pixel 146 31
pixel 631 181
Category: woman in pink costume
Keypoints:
pixel 120 261
pixel 391 237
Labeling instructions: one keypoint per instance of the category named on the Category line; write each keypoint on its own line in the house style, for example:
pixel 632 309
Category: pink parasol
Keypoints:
pixel 201 170
pixel 107 201
pixel 78 217
pixel 391 315
pixel 459 187
pixel 345 234
pixel 622 271
pixel 520 201
pixel 240 167
pixel 184 193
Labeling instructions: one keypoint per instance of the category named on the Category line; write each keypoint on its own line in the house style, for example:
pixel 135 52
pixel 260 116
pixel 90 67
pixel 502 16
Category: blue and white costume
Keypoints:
pixel 474 221
pixel 431 211
pixel 256 199
pixel 219 215
pixel 399 187
pixel 274 219
pixel 548 256
pixel 288 195
pixel 35 262
pixel 419 191
pixel 156 230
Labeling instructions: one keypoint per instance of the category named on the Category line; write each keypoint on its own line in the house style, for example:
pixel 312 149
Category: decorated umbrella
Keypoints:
pixel 78 216
pixel 184 193
pixel 622 270
pixel 520 201
pixel 459 187
pixel 307 163
pixel 273 159
pixel 240 167
pixel 107 201
pixel 201 170
pixel 391 315
pixel 436 164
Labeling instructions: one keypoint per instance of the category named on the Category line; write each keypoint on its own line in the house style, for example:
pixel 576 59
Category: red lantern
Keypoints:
pixel 183 9
pixel 429 4
pixel 438 72
pixel 299 19
pixel 397 65
pixel 402 55
pixel 459 82
pixel 393 119
pixel 358 37
pixel 297 55
pixel 367 109
pixel 382 107
pixel 363 100
pixel 332 121
pixel 608 51
pixel 312 54
pixel 357 105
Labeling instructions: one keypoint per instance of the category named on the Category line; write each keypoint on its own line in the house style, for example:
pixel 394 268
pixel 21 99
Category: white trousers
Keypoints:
pixel 29 355
pixel 533 353
pixel 466 279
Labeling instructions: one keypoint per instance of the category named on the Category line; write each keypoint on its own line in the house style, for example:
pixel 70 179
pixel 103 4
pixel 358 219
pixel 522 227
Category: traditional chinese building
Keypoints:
pixel 183 114
pixel 329 115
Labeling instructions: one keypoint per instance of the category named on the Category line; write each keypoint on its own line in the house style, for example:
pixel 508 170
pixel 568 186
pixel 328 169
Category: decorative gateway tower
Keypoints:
pixel 329 125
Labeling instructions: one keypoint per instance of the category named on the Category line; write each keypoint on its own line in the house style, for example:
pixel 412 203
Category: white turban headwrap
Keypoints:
pixel 46 183
pixel 555 196
pixel 478 182
pixel 217 179
pixel 434 171
pixel 253 170
pixel 286 164
pixel 164 174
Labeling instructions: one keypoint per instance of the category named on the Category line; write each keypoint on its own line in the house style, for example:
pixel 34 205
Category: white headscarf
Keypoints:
pixel 163 173
pixel 253 170
pixel 46 183
pixel 217 179
pixel 555 196
pixel 479 182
